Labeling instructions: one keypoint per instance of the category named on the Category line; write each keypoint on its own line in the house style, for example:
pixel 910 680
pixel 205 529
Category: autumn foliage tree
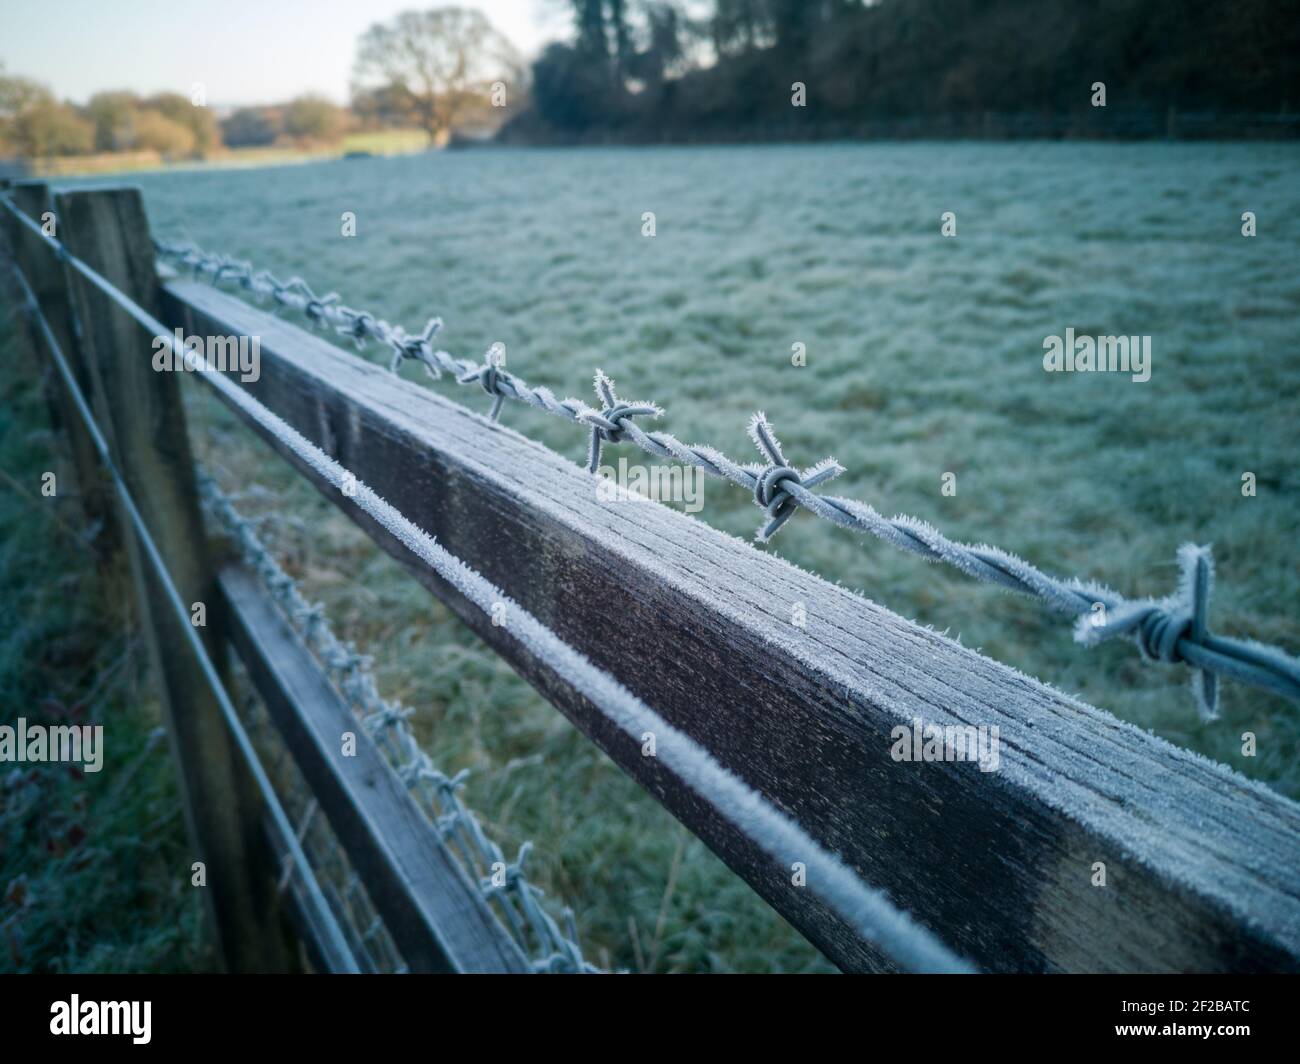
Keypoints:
pixel 314 119
pixel 434 68
pixel 35 124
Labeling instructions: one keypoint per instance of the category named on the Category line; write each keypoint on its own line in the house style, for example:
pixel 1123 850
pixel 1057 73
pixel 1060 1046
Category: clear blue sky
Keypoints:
pixel 244 51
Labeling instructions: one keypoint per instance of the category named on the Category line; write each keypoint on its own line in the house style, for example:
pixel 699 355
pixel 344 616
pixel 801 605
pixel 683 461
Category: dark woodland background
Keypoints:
pixel 633 70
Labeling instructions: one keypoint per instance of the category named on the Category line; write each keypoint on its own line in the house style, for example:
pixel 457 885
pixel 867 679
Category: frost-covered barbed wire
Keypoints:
pixel 549 947
pixel 1172 629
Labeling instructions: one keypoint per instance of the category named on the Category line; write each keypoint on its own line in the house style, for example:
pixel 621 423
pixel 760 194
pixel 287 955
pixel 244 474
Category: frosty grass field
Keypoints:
pixel 924 356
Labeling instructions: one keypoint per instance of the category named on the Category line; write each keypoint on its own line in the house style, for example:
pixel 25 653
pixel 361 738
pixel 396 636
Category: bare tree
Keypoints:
pixel 439 66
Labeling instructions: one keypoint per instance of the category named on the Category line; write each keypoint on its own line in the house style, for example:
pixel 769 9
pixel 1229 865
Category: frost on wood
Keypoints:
pixel 869 911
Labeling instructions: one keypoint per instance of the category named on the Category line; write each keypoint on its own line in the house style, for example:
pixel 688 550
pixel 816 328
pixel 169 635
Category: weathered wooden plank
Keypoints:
pixel 435 915
pixel 1203 866
pixel 141 416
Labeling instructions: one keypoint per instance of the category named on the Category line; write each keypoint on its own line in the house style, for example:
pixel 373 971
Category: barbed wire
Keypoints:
pixel 1173 629
pixel 549 947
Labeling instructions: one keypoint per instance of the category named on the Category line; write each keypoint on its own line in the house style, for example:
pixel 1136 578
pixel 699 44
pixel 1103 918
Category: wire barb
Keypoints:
pixel 609 424
pixel 770 491
pixel 492 378
pixel 1170 630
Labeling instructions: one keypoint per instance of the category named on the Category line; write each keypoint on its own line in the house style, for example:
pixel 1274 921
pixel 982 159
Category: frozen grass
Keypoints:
pixel 924 356
pixel 94 867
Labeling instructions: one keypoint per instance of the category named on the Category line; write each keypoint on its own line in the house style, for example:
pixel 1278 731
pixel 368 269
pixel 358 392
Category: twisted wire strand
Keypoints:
pixel 550 947
pixel 1173 629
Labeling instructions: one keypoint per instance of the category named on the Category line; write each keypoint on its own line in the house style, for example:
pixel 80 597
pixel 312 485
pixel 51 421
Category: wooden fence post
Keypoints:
pixel 44 273
pixel 140 413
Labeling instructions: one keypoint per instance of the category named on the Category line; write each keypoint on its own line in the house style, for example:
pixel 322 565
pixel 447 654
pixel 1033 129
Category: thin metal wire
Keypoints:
pixel 364 929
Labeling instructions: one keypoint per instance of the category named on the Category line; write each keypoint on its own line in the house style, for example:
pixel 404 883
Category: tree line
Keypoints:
pixel 35 124
pixel 434 70
pixel 676 67
pixel 722 69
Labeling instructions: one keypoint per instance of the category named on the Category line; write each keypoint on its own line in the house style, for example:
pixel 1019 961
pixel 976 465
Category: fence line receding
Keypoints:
pixel 773 742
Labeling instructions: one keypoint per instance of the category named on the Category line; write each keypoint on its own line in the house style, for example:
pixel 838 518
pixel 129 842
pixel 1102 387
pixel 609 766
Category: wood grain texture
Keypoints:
pixel 436 916
pixel 141 416
pixel 1203 866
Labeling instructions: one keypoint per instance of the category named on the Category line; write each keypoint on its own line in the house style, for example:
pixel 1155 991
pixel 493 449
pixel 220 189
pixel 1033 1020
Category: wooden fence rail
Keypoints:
pixel 430 907
pixel 1202 867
